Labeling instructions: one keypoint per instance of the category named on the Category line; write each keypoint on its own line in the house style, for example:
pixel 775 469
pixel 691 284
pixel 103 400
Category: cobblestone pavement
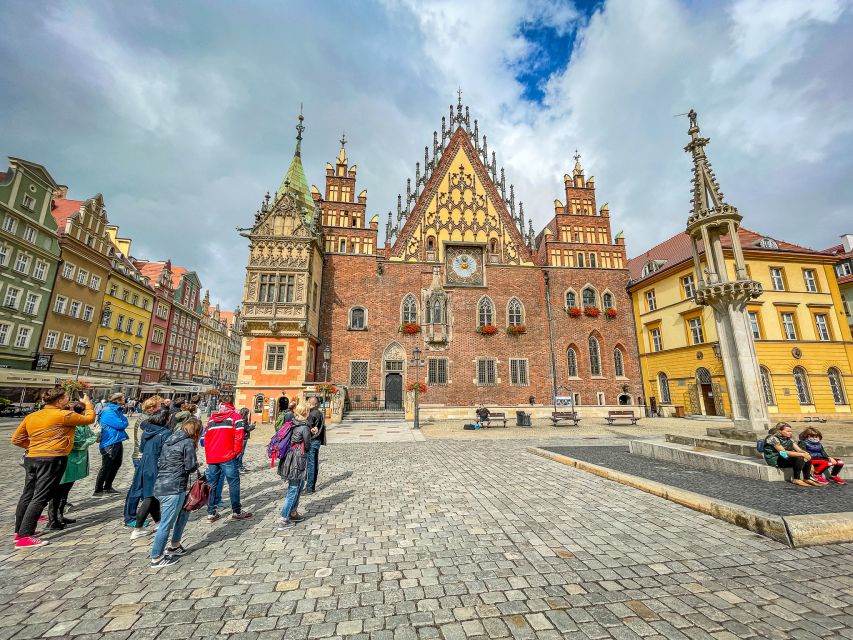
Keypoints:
pixel 438 539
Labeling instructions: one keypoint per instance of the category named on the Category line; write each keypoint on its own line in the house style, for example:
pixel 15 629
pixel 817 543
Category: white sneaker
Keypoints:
pixel 140 533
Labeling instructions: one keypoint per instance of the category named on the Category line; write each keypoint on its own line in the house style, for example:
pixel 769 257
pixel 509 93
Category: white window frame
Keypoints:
pixel 10 223
pixel 51 339
pixel 31 304
pixel 280 352
pixel 789 325
pixel 657 340
pixel 22 263
pixel 28 202
pixel 651 301
pixel 810 280
pixel 518 372
pixel 754 324
pixel 5 333
pixel 94 282
pixel 30 234
pixel 68 270
pixel 11 301
pixel 73 311
pixel 60 304
pixel 88 313
pixel 777 278
pixel 26 333
pixel 821 321
pixel 689 286
pixel 67 343
pixel 697 331
pixel 40 270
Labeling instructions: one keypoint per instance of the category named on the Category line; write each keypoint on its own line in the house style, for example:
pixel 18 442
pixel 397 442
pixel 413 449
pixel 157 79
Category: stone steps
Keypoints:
pixel 723 462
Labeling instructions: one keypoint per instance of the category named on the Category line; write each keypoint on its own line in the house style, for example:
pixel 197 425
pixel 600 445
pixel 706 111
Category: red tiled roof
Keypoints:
pixel 177 274
pixel 845 279
pixel 227 317
pixel 150 270
pixel 63 209
pixel 838 252
pixel 678 249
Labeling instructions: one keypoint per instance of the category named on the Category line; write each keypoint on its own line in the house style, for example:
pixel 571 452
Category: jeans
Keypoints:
pixel 134 494
pixel 243 452
pixel 313 464
pixel 111 457
pixel 291 500
pixel 174 520
pixel 218 490
pixel 231 471
pixel 41 484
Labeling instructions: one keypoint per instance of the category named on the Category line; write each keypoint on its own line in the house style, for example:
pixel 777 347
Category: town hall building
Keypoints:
pixel 501 315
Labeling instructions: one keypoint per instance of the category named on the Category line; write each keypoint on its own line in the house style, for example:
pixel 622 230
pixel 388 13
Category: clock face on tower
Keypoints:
pixel 464 265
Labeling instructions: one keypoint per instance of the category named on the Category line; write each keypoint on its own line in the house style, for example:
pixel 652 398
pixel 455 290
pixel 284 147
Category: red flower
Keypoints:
pixel 516 329
pixel 410 328
pixel 611 312
pixel 487 329
pixel 592 312
pixel 327 388
pixel 417 387
pixel 575 312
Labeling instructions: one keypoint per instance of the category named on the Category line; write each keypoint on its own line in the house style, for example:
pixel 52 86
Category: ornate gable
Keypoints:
pixel 462 202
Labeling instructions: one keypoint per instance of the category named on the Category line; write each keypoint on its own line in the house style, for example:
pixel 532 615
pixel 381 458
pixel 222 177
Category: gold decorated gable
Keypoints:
pixel 460 203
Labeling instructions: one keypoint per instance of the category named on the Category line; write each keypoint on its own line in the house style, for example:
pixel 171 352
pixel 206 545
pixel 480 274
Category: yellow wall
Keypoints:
pixel 678 359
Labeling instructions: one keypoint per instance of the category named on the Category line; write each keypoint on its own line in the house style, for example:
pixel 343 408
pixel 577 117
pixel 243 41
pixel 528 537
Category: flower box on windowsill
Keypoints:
pixel 487 329
pixel 351 328
pixel 574 312
pixel 516 329
pixel 592 312
pixel 410 328
pixel 610 313
pixel 417 387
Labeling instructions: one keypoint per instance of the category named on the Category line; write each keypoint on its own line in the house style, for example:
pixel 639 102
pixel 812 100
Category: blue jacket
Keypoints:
pixel 113 425
pixel 153 437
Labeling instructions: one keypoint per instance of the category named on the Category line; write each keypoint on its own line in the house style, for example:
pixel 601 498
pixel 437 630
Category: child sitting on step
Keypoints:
pixel 810 440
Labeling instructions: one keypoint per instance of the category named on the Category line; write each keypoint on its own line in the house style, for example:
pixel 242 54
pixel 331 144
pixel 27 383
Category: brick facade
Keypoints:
pixel 458 240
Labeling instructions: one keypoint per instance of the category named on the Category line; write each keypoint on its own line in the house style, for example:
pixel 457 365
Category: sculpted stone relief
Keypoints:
pixel 285 254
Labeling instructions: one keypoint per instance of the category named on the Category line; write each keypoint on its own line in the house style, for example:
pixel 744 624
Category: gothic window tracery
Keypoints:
pixel 515 312
pixel 410 310
pixel 486 312
pixel 589 297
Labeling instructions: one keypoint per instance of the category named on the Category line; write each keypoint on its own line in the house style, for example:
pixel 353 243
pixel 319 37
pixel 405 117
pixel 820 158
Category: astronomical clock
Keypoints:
pixel 464 265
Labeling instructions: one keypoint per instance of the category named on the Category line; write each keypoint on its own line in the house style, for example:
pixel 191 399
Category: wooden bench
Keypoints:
pixel 564 416
pixel 626 415
pixel 494 416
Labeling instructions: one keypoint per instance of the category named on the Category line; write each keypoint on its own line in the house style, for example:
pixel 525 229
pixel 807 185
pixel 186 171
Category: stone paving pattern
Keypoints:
pixel 414 541
pixel 780 498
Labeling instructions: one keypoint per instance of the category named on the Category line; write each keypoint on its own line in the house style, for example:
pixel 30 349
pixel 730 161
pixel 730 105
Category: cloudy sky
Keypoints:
pixel 182 114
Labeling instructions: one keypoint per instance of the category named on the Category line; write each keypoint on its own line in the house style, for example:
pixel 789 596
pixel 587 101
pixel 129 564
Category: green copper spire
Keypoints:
pixel 294 180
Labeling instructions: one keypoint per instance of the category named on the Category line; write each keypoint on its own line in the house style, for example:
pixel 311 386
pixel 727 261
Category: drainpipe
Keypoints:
pixel 551 338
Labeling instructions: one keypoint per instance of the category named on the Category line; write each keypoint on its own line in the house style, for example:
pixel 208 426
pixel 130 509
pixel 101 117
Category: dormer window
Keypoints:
pixel 651 266
pixel 767 243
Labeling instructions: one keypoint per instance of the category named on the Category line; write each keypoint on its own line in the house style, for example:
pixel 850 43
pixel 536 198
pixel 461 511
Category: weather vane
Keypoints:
pixel 343 139
pixel 577 156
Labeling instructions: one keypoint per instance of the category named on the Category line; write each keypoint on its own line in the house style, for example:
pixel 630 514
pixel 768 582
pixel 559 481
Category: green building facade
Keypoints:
pixel 29 256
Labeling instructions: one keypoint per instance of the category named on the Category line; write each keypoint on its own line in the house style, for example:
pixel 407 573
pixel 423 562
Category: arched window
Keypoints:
pixel 410 310
pixel 589 297
pixel 514 312
pixel 580 260
pixel 437 314
pixel 801 381
pixel 592 261
pixel 618 363
pixel 836 385
pixel 493 245
pixel 430 244
pixel 608 300
pixel 594 357
pixel 572 361
pixel 571 299
pixel 357 318
pixel 767 386
pixel 703 376
pixel 767 243
pixel 663 383
pixel 486 312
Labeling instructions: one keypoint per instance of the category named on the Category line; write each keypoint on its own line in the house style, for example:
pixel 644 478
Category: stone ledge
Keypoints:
pixel 793 530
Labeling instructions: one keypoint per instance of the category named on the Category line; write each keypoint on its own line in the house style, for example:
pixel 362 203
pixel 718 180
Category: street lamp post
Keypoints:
pixel 327 357
pixel 82 348
pixel 417 362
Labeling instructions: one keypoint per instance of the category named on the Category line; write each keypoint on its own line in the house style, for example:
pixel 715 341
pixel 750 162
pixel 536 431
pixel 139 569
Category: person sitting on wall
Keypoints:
pixel 781 451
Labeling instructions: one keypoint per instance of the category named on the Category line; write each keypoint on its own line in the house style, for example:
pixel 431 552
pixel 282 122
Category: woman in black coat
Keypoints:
pixel 155 430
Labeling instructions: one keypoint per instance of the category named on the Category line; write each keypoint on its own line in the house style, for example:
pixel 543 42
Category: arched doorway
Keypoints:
pixel 706 391
pixel 393 392
pixel 624 399
pixel 393 367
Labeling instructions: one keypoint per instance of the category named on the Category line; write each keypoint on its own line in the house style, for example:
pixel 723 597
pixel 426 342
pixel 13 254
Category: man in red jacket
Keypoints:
pixel 223 443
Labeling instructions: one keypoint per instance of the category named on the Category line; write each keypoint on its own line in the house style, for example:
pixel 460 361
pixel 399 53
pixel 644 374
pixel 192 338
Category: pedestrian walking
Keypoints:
pixel 318 438
pixel 283 404
pixel 223 442
pixel 134 493
pixel 177 461
pixel 293 468
pixel 76 469
pixel 113 433
pixel 155 431
pixel 48 437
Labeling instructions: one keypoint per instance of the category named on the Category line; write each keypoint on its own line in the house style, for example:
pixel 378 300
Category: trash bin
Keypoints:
pixel 679 411
pixel 522 419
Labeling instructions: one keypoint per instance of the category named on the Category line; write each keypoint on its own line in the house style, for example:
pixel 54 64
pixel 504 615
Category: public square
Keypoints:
pixel 446 538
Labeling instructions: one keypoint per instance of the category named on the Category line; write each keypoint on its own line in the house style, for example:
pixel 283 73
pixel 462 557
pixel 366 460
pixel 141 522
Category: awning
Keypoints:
pixel 20 379
pixel 94 382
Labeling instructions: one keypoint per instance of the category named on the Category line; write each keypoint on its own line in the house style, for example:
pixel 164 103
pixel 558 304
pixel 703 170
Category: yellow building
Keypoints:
pixel 802 338
pixel 125 319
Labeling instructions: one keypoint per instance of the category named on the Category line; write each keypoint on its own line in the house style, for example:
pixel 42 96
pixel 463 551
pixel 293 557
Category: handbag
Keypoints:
pixel 198 494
